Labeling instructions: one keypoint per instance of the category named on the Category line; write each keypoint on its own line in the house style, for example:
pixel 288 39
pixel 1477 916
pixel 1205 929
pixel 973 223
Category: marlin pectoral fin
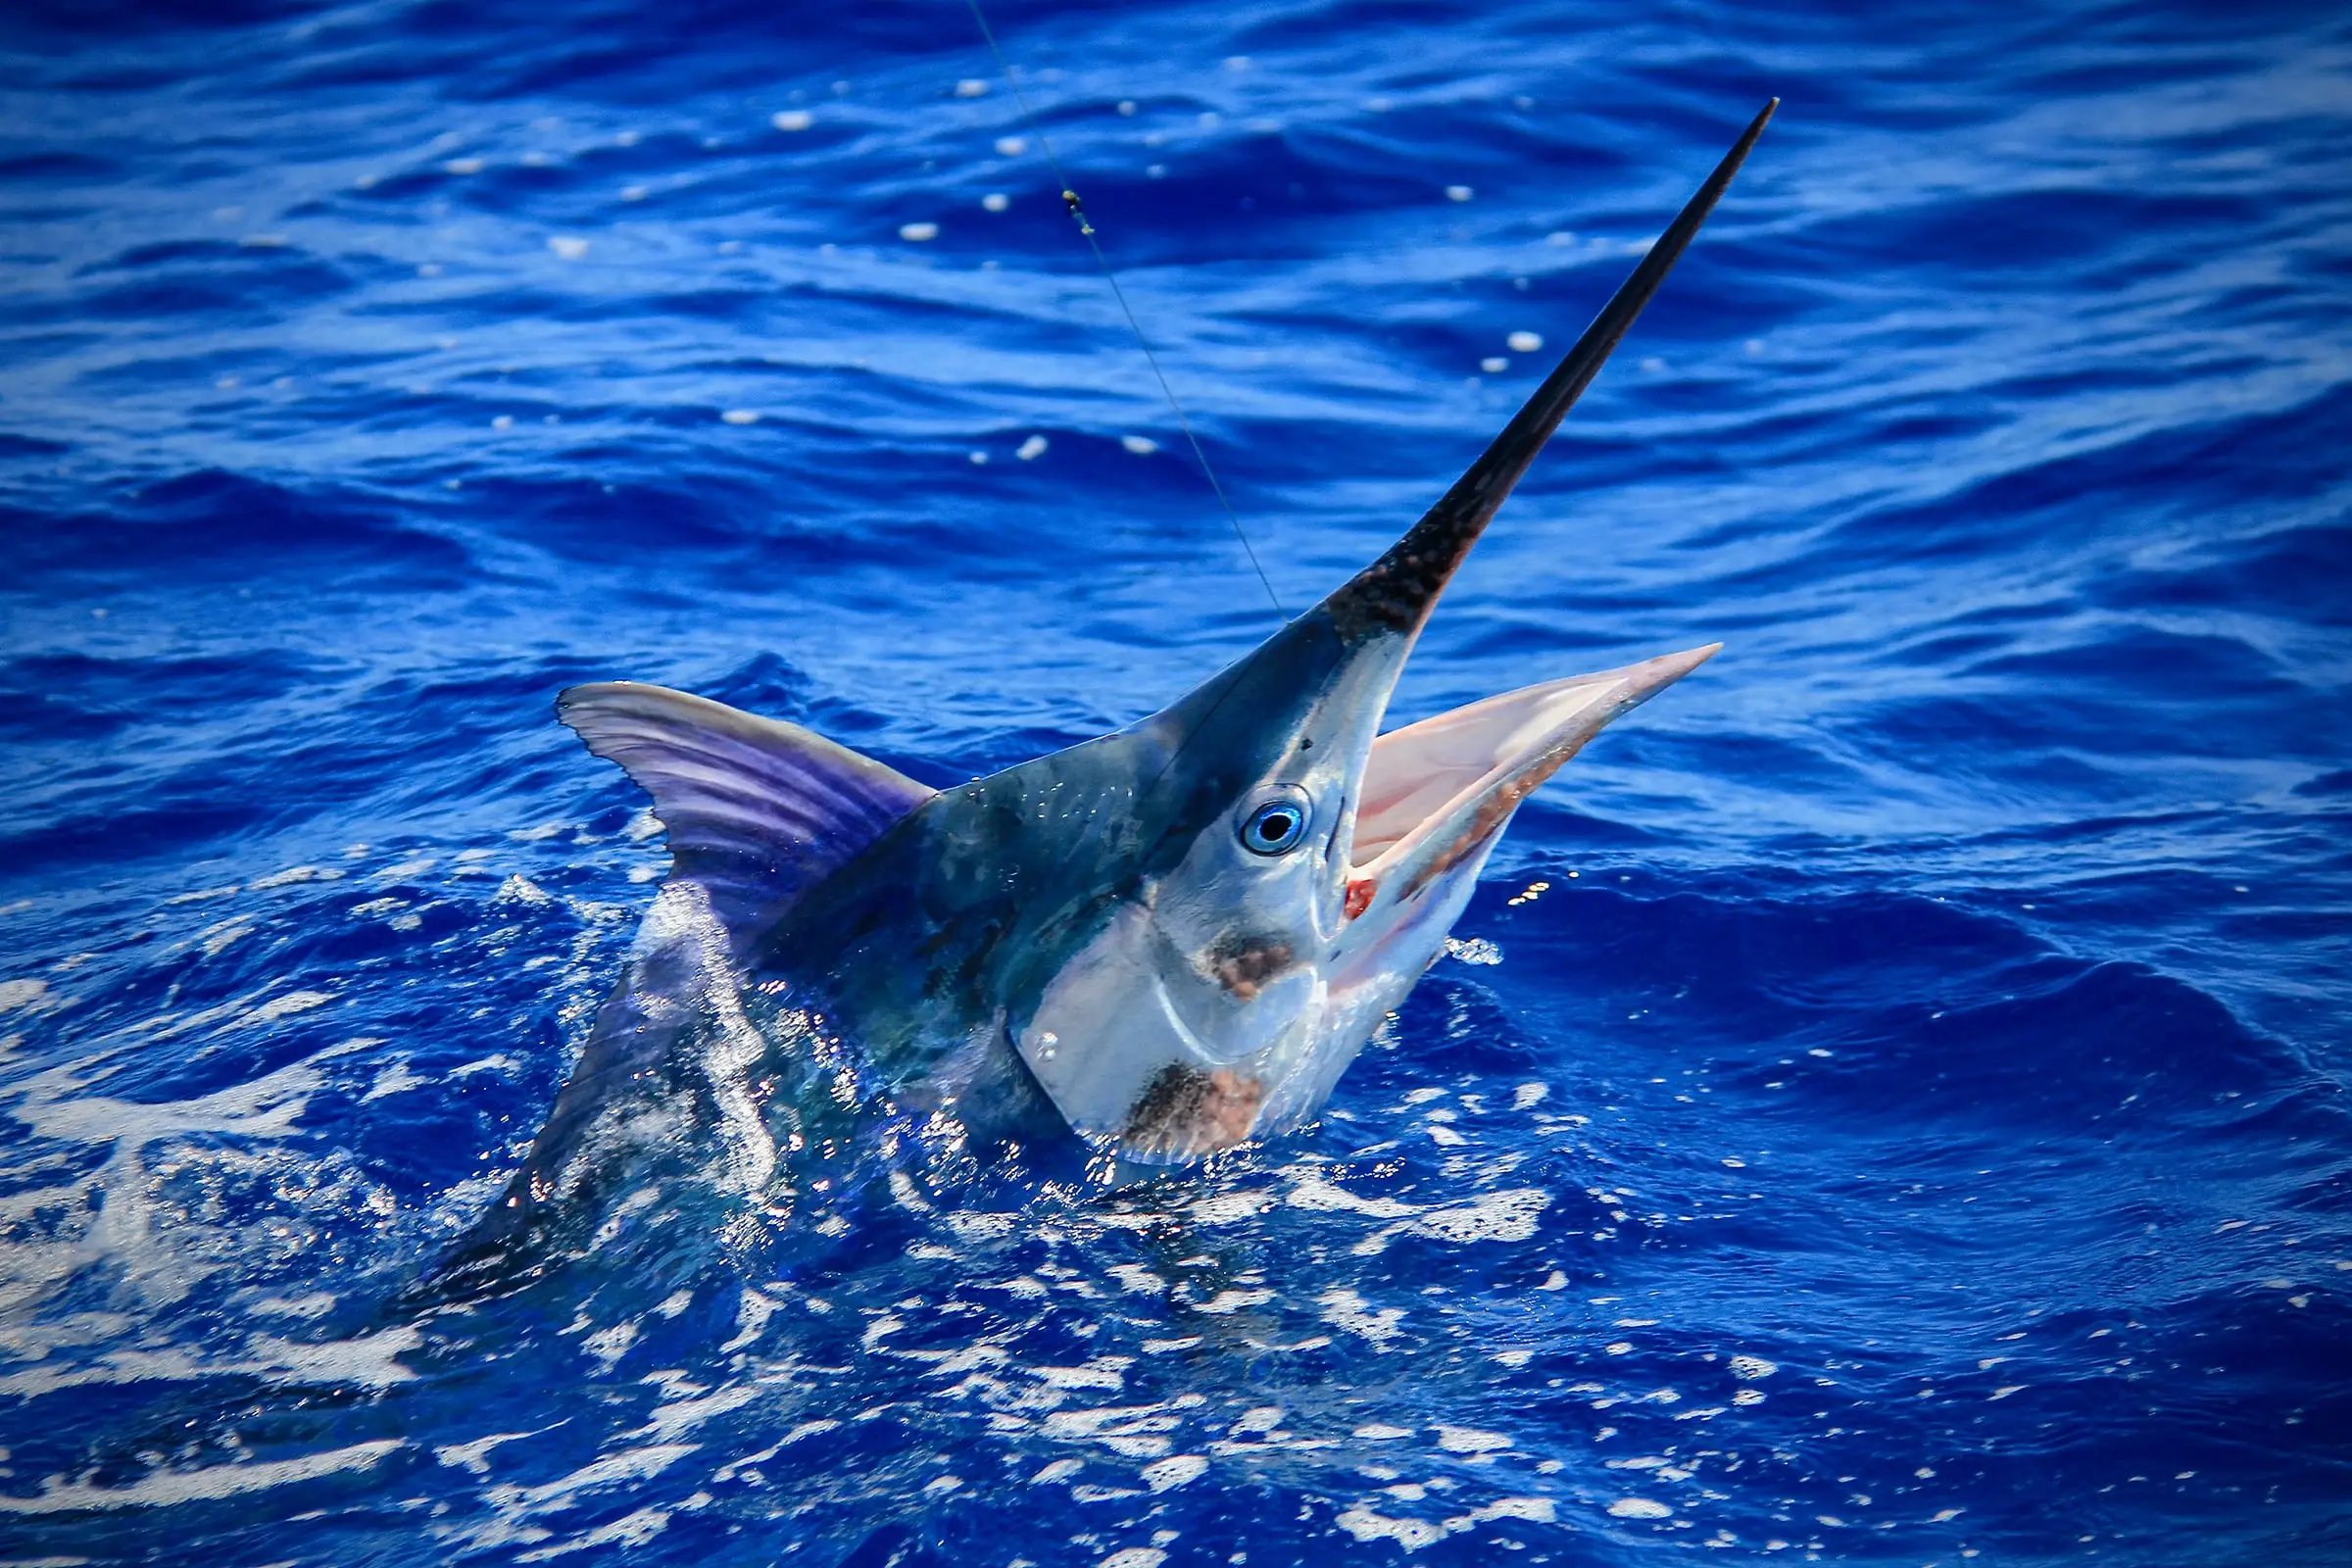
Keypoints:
pixel 758 811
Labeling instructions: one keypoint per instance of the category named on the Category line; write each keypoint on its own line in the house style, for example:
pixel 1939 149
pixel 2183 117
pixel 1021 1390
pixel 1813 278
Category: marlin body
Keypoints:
pixel 1169 941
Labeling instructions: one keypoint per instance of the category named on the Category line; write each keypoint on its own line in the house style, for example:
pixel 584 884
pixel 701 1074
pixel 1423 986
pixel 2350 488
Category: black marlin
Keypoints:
pixel 1171 940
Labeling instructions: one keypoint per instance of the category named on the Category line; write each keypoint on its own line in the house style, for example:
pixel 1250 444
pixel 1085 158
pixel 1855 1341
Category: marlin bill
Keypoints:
pixel 1168 942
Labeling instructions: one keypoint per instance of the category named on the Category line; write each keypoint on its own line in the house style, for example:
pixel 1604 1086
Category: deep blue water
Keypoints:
pixel 1940 997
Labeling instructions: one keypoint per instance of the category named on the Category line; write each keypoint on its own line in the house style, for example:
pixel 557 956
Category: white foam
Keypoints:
pixel 1508 1215
pixel 1639 1508
pixel 295 873
pixel 1470 1439
pixel 1177 1470
pixel 1346 1310
pixel 682 1415
pixel 1311 1192
pixel 57 1496
pixel 1410 1533
pixel 475 1455
pixel 1226 1208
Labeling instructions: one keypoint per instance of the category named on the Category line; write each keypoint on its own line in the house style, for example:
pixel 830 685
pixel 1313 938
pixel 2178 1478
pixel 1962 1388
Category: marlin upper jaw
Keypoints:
pixel 1432 796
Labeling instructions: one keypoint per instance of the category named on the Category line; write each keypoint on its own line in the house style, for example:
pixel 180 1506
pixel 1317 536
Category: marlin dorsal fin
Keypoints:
pixel 758 811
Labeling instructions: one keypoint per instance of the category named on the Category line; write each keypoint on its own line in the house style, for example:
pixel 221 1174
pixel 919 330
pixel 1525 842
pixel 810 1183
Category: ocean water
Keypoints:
pixel 1888 1102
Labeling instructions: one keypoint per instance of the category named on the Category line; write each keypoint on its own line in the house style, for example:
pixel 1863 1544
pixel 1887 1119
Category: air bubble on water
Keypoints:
pixel 791 120
pixel 741 416
pixel 918 232
pixel 1494 365
pixel 996 201
pixel 1142 446
pixel 1524 342
pixel 1031 450
pixel 1012 146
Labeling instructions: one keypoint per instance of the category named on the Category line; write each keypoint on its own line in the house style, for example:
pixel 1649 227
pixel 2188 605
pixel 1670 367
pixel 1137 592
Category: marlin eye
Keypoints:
pixel 1275 827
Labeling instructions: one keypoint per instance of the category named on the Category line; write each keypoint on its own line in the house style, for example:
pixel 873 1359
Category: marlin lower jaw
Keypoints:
pixel 1437 793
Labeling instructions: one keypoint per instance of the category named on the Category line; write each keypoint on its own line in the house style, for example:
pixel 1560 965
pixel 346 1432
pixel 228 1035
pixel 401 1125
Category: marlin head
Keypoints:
pixel 1295 870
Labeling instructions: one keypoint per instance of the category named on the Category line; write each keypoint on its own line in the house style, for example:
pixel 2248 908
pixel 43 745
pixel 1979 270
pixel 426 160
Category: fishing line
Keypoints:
pixel 1069 198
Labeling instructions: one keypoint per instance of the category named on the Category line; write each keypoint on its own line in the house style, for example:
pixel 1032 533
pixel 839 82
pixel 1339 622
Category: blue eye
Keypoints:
pixel 1275 827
